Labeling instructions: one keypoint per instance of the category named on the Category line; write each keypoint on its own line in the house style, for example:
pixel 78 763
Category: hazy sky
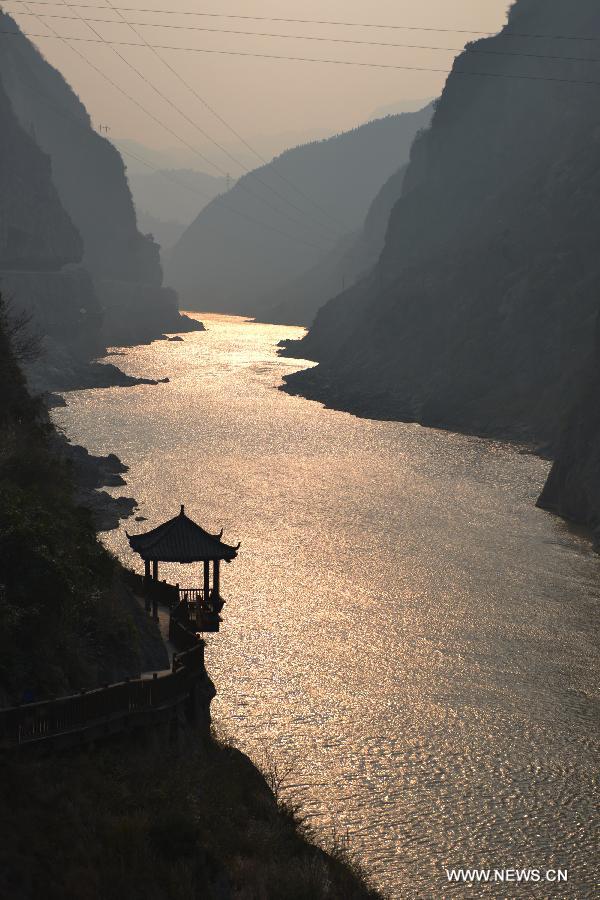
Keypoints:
pixel 272 103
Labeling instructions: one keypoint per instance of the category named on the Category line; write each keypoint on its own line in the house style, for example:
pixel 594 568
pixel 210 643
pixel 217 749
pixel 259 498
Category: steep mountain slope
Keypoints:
pixel 250 242
pixel 87 170
pixel 35 230
pixel 481 312
pixel 352 258
pixel 37 240
pixel 89 176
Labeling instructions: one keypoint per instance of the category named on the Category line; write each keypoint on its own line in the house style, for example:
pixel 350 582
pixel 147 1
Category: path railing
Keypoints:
pixel 96 714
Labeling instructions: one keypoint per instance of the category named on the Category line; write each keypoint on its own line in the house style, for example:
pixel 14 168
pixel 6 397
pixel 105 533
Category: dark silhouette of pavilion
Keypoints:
pixel 180 540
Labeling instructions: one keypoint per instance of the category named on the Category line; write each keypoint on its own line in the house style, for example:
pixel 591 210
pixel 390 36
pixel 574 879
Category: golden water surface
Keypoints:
pixel 403 627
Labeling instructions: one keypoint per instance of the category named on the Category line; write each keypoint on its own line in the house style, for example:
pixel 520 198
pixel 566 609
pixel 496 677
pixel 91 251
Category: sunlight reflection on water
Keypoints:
pixel 402 623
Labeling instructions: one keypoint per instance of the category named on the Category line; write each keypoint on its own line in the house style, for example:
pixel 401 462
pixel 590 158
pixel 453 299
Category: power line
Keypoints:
pixel 306 37
pixel 186 84
pixel 214 112
pixel 337 62
pixel 195 189
pixel 345 24
pixel 188 119
pixel 230 209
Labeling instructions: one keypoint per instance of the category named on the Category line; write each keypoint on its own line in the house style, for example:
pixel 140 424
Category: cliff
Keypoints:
pixel 350 260
pixel 573 486
pixel 120 818
pixel 39 244
pixel 89 177
pixel 286 217
pixel 480 313
pixel 62 593
pixel 132 822
pixel 35 230
pixel 87 170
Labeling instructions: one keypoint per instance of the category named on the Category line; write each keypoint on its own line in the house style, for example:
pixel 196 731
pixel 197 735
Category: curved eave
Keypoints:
pixel 154 553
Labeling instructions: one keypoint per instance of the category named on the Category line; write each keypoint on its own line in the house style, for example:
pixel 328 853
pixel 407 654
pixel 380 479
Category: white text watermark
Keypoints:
pixel 510 875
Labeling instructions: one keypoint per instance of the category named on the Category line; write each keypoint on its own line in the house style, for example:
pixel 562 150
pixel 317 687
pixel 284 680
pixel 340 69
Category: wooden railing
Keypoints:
pixel 192 595
pixel 92 715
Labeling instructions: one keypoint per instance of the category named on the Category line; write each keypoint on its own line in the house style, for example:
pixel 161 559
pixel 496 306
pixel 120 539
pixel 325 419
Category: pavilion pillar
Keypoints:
pixel 147 585
pixel 202 598
pixel 206 580
pixel 216 579
pixel 155 589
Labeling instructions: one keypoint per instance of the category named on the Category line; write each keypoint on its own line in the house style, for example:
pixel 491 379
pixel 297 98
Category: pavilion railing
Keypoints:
pixel 192 595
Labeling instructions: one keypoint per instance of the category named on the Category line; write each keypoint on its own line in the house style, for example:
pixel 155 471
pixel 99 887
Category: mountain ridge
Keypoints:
pixel 283 218
pixel 464 322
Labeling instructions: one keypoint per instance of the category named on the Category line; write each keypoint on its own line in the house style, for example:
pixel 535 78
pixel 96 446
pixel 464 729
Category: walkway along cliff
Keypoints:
pixel 166 701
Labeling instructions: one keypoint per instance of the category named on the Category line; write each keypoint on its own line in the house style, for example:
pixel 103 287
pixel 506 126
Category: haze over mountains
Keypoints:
pixel 298 301
pixel 282 219
pixel 166 201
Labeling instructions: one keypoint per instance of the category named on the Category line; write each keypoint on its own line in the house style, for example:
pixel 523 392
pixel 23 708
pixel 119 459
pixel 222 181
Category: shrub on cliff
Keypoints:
pixel 60 625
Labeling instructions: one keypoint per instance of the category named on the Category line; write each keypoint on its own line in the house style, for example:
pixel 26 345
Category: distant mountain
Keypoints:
pixel 40 246
pixel 138 156
pixel 174 195
pixel 298 302
pixel 481 314
pixel 284 218
pixel 401 106
pixel 165 233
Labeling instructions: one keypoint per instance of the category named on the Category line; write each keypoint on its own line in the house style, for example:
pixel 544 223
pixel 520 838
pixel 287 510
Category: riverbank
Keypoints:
pixel 52 380
pixel 150 822
pixel 572 490
pixel 452 629
pixel 126 820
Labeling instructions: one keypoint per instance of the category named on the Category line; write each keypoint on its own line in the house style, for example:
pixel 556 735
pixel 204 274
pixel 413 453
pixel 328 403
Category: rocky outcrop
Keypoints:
pixel 139 313
pixel 35 230
pixel 50 151
pixel 87 170
pixel 480 313
pixel 286 217
pixel 573 486
pixel 39 245
pixel 65 311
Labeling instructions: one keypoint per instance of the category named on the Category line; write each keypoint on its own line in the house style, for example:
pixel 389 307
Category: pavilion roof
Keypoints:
pixel 181 540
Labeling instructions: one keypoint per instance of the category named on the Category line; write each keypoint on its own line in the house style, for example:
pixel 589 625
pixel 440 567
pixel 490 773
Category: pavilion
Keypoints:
pixel 180 540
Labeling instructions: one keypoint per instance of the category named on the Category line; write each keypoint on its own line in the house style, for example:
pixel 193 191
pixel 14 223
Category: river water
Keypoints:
pixel 404 631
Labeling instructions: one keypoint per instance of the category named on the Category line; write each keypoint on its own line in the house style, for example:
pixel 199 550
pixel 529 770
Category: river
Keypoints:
pixel 404 631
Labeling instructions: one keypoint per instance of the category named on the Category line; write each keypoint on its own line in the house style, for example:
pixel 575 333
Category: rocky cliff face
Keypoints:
pixel 481 312
pixel 35 230
pixel 39 245
pixel 117 296
pixel 87 170
pixel 573 486
pixel 287 217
